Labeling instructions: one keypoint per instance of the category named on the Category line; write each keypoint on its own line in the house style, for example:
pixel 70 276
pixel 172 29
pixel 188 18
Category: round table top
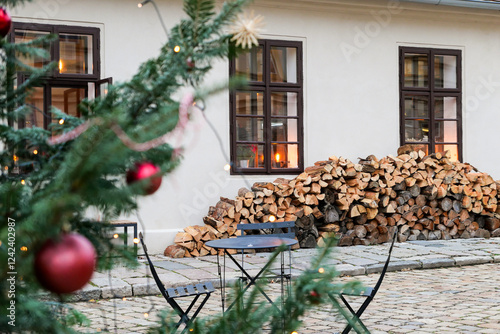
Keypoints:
pixel 250 242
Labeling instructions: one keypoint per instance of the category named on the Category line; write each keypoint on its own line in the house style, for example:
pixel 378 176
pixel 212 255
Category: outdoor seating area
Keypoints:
pixel 269 237
pixel 438 265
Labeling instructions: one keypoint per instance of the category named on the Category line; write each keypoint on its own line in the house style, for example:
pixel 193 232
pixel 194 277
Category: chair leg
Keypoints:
pixel 191 305
pixel 184 315
pixel 200 307
pixel 355 315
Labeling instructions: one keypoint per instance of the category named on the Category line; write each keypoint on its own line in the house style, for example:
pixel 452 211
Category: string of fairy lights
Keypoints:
pixel 139 147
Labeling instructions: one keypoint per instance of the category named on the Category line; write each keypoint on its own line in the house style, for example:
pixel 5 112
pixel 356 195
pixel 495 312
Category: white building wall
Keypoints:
pixel 351 97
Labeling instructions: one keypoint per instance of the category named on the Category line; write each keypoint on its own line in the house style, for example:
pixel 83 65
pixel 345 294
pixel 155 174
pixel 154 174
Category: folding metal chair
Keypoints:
pixel 171 294
pixel 368 293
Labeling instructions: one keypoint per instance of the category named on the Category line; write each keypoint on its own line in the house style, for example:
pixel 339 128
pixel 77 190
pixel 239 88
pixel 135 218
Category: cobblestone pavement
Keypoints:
pixel 351 261
pixel 443 300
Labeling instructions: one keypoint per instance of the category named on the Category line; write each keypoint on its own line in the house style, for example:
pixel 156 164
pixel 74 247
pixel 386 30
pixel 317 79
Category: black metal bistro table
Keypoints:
pixel 247 243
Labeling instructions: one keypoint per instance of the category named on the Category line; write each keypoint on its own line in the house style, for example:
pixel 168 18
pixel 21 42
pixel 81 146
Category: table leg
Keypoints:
pixel 222 281
pixel 252 279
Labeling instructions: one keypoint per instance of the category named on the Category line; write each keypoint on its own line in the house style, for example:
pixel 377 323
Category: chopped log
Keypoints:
pixel 492 223
pixel 194 232
pixel 242 192
pixel 446 204
pixel 360 231
pixel 174 251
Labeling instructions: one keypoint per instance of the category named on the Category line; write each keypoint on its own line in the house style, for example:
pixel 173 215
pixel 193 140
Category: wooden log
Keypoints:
pixel 360 231
pixel 242 192
pixel 446 204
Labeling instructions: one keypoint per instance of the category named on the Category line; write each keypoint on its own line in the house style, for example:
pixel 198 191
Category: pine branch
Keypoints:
pixel 227 13
pixel 200 12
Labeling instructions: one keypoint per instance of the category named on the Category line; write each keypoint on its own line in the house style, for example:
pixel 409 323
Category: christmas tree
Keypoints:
pixel 101 161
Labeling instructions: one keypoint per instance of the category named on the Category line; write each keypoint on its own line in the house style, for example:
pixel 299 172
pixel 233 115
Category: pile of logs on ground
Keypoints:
pixel 425 197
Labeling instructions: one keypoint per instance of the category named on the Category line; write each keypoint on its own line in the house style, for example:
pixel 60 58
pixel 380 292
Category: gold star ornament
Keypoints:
pixel 245 30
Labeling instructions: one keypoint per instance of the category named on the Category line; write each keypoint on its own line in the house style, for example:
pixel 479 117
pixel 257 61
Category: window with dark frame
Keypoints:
pixel 266 117
pixel 431 99
pixel 76 53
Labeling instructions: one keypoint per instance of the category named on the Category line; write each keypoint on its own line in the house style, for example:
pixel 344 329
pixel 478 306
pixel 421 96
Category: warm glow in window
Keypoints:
pixel 431 96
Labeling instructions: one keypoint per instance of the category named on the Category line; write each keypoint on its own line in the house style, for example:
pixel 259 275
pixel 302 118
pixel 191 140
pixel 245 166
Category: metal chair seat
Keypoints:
pixel 190 290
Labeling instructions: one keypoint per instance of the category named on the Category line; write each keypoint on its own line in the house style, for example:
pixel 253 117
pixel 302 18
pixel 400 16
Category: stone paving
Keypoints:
pixel 351 261
pixel 458 295
pixel 445 300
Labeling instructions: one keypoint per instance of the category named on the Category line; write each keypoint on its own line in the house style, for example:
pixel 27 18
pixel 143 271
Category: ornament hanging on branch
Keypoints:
pixel 5 22
pixel 314 297
pixel 65 265
pixel 190 63
pixel 144 170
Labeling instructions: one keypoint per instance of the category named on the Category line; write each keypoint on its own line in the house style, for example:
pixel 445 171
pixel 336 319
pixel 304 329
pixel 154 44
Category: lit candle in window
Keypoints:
pixel 60 65
pixel 277 160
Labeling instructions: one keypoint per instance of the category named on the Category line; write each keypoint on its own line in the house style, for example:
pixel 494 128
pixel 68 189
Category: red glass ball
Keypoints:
pixel 314 297
pixel 65 265
pixel 5 22
pixel 144 170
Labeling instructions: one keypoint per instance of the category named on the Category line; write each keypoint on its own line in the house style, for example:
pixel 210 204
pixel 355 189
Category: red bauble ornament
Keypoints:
pixel 190 64
pixel 144 170
pixel 5 22
pixel 65 265
pixel 314 297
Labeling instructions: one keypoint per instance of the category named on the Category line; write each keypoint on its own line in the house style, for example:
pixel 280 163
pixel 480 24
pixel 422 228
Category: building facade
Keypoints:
pixel 331 77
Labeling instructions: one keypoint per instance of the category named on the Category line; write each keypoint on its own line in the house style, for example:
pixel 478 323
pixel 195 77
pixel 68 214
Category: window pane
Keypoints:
pixel 452 148
pixel 249 103
pixel 284 129
pixel 417 106
pixel 285 156
pixel 445 71
pixel 35 102
pixel 250 65
pixel 445 107
pixel 76 56
pixel 416 70
pixel 283 64
pixel 68 99
pixel 416 131
pixel 249 129
pixel 284 104
pixel 24 36
pixel 250 155
pixel 446 131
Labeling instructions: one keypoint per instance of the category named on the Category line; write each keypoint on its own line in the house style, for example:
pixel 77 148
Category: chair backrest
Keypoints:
pixel 384 270
pixel 153 270
pixel 276 229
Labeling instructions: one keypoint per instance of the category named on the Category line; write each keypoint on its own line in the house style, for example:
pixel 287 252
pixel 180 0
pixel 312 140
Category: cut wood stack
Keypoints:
pixel 424 197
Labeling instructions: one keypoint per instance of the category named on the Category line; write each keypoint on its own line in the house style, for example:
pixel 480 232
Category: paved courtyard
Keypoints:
pixel 443 300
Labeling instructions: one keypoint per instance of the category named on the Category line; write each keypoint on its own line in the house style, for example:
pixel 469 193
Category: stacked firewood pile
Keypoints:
pixel 425 197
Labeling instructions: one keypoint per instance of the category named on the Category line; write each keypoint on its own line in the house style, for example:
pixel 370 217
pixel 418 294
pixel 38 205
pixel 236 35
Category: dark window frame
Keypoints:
pixel 55 51
pixel 267 87
pixel 54 79
pixel 431 92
